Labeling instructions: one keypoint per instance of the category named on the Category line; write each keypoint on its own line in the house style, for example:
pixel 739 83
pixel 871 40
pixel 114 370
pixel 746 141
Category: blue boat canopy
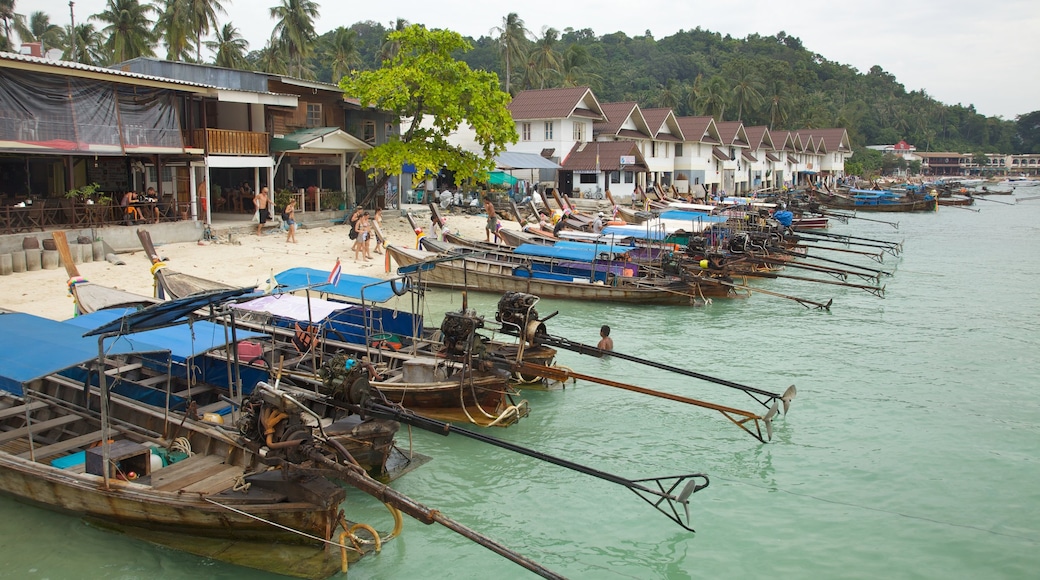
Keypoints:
pixel 184 341
pixel 165 313
pixel 349 286
pixel 39 347
pixel 693 216
pixel 572 251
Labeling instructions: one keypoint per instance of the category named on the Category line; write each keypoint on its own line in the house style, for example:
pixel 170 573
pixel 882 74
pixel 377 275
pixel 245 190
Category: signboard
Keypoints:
pixel 628 160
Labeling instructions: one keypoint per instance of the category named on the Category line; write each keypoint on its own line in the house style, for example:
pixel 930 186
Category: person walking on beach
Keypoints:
pixel 362 241
pixel 263 207
pixel 377 229
pixel 492 220
pixel 289 217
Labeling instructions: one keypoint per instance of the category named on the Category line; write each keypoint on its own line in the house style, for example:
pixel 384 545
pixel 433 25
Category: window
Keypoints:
pixel 653 149
pixel 389 130
pixel 678 149
pixel 548 130
pixel 615 177
pixel 525 131
pixel 368 132
pixel 630 177
pixel 588 178
pixel 579 132
pixel 314 115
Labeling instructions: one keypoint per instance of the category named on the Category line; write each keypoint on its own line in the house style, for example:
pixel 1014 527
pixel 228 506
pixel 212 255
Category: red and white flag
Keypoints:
pixel 334 274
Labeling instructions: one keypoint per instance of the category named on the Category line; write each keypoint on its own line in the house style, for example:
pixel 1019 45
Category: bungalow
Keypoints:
pixel 698 159
pixel 759 166
pixel 833 149
pixel 734 144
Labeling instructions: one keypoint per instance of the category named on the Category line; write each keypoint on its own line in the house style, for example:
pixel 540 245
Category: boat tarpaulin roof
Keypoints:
pixel 37 347
pixel 168 312
pixel 572 251
pixel 516 160
pixel 693 216
pixel 349 286
pixel 639 232
pixel 184 341
pixel 294 307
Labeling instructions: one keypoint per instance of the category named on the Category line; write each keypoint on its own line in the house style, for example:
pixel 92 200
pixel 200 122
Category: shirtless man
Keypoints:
pixel 492 220
pixel 605 342
pixel 263 206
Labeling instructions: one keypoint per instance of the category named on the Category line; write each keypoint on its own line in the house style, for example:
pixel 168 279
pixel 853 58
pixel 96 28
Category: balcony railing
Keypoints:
pixel 227 142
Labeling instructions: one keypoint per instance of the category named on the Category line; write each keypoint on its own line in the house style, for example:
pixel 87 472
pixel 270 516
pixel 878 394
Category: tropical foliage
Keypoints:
pixel 768 80
pixel 438 94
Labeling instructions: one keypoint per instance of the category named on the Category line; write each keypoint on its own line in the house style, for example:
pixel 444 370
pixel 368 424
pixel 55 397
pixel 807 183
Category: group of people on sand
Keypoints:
pixel 262 202
pixel 363 228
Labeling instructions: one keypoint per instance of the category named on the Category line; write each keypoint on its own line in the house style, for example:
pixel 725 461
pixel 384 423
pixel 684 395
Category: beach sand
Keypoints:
pixel 248 260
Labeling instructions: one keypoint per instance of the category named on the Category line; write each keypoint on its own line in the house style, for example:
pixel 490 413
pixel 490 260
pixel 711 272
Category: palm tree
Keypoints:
pixel 341 52
pixel 229 48
pixel 712 99
pixel 295 31
pixel 8 16
pixel 175 28
pixel 88 47
pixel 747 89
pixel 576 65
pixel 779 104
pixel 202 14
pixel 547 60
pixel 38 28
pixel 273 58
pixel 390 48
pixel 129 29
pixel 511 38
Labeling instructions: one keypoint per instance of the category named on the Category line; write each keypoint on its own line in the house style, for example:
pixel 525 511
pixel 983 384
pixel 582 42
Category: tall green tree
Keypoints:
pixel 746 87
pixel 546 57
pixel 294 28
pixel 83 45
pixel 7 16
pixel 340 52
pixel 778 103
pixel 439 94
pixel 512 39
pixel 174 26
pixel 713 98
pixel 203 16
pixel 229 48
pixel 38 28
pixel 388 49
pixel 128 30
pixel 273 58
pixel 577 67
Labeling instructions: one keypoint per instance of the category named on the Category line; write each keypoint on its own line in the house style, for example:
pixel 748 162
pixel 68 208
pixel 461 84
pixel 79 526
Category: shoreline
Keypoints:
pixel 248 260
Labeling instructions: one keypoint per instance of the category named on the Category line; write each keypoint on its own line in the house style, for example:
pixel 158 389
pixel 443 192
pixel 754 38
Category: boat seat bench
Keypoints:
pixel 60 447
pixel 186 472
pixel 38 427
pixel 21 409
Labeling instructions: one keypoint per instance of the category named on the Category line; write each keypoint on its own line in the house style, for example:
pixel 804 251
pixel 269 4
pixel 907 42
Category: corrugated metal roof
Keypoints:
pixel 68 65
pixel 550 104
pixel 516 160
pixel 584 156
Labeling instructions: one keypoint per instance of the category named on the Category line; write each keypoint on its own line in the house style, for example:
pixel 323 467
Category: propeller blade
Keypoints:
pixel 788 396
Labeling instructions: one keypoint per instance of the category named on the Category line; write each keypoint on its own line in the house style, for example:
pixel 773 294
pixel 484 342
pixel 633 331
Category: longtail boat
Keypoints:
pixel 874 201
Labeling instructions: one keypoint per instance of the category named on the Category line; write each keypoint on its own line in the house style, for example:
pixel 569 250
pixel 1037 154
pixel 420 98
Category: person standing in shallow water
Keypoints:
pixel 605 342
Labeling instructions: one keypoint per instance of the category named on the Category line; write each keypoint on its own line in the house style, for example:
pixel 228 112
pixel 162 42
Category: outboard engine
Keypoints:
pixel 516 309
pixel 458 328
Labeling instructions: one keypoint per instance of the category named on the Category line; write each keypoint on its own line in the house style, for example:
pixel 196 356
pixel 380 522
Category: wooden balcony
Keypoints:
pixel 227 142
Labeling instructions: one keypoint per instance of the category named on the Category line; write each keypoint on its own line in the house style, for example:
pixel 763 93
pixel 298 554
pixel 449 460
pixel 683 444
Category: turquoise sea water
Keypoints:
pixel 911 450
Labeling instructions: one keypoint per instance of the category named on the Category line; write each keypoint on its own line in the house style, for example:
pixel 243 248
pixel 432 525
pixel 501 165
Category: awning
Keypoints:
pixel 37 347
pixel 318 140
pixel 501 178
pixel 791 159
pixel 349 286
pixel 772 157
pixel 748 156
pixel 719 154
pixel 514 160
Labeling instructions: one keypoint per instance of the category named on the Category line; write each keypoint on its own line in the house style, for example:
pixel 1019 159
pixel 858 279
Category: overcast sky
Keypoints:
pixel 959 51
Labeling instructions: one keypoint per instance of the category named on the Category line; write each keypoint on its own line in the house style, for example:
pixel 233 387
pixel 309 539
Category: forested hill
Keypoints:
pixel 760 80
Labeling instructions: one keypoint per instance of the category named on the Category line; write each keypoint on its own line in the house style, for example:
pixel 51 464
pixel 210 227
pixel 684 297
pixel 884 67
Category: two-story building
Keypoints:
pixel 698 159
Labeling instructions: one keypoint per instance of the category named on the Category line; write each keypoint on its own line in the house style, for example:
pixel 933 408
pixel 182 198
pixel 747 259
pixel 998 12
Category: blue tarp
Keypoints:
pixel 576 251
pixel 693 216
pixel 638 232
pixel 165 313
pixel 350 286
pixel 184 341
pixel 35 347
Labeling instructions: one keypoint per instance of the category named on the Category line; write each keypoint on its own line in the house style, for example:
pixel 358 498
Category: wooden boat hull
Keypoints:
pixel 497 277
pixel 956 201
pixel 842 202
pixel 184 506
